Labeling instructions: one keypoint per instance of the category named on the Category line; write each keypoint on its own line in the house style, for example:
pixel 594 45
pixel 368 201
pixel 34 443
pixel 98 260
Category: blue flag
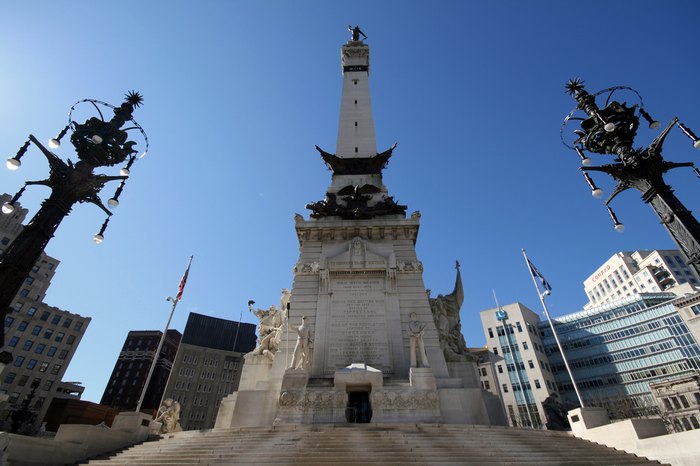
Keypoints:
pixel 536 273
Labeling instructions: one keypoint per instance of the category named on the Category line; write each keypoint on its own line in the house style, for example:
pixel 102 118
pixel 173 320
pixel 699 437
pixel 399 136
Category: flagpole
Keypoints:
pixel 515 364
pixel 554 332
pixel 162 338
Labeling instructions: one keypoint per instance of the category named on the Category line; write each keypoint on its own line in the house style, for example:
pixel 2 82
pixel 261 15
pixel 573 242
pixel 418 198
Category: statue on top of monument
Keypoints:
pixel 269 329
pixel 356 31
pixel 447 321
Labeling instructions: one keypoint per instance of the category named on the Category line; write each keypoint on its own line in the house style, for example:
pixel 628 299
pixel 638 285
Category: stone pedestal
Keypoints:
pixel 582 419
pixel 422 378
pixel 295 379
pixel 138 425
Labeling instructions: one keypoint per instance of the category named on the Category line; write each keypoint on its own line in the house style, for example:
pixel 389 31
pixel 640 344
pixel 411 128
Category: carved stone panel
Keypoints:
pixel 358 333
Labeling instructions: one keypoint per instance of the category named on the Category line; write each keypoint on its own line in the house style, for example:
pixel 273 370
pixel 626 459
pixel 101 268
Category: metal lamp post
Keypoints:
pixel 98 143
pixel 611 131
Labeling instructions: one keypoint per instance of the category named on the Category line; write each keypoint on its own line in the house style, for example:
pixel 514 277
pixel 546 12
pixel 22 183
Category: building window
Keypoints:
pixel 531 364
pixel 67 322
pixel 56 319
pixel 491 331
pixel 18 306
pixel 63 354
pixel 56 368
pixel 537 384
pixel 32 364
pixel 59 336
pixel 78 326
pixel 48 333
pixel 40 348
pixel 27 345
pixel 22 326
pixel 51 351
pixel 495 350
pixel 684 401
pixel 517 324
pixel 13 341
pixel 70 339
pixel 525 345
pixel 676 404
pixel 8 321
pixel 505 388
pixel 36 330
pixel 43 367
pixel 10 377
pixel 23 381
pixel 500 369
pixel 45 316
pixel 31 311
pixel 24 293
pixel 694 421
pixel 486 384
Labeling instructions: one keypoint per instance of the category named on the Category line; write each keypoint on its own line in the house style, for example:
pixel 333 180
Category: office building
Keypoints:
pixel 627 273
pixel 679 402
pixel 614 350
pixel 42 338
pixel 128 378
pixel 207 367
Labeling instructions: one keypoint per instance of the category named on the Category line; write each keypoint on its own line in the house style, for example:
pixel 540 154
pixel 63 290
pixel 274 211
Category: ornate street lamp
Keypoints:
pixel 611 131
pixel 98 143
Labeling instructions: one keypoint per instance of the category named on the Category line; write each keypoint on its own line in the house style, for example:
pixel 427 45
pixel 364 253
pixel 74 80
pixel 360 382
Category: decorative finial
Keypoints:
pixel 134 98
pixel 574 86
pixel 457 265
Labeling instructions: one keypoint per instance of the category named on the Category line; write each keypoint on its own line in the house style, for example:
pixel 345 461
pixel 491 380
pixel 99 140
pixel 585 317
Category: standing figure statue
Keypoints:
pixel 417 328
pixel 356 31
pixel 169 416
pixel 269 329
pixel 301 357
pixel 284 301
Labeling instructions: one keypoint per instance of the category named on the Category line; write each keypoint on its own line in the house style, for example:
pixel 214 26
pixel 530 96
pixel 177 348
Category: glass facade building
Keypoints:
pixel 617 349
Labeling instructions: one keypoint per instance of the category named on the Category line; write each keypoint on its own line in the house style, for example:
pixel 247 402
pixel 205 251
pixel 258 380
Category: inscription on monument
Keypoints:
pixel 358 331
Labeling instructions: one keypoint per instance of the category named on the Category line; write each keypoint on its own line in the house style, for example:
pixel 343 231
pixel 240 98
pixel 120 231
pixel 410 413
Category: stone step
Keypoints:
pixel 369 460
pixel 372 445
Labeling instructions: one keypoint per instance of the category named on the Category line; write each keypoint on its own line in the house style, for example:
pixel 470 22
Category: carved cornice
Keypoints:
pixel 322 231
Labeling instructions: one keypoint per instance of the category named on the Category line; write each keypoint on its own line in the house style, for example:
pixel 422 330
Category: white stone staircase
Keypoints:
pixel 375 444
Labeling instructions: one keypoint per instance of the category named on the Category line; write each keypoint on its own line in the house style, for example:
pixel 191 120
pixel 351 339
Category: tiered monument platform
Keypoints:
pixel 374 347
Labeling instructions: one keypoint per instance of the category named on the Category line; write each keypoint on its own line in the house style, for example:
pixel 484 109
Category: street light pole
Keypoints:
pixel 98 143
pixel 611 131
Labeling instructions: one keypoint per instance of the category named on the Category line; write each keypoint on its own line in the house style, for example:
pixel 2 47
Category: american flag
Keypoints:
pixel 183 281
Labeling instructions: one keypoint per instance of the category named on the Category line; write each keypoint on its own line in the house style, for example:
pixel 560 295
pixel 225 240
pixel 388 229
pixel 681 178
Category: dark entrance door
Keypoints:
pixel 358 410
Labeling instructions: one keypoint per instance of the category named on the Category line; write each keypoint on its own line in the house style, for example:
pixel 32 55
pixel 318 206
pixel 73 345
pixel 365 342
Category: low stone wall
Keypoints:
pixel 642 437
pixel 75 442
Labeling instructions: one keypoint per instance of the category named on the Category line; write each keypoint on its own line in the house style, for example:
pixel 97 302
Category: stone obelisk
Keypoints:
pixel 373 350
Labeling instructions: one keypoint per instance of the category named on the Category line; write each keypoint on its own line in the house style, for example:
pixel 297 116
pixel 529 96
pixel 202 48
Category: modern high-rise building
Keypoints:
pixel 627 273
pixel 614 350
pixel 207 367
pixel 128 378
pixel 42 338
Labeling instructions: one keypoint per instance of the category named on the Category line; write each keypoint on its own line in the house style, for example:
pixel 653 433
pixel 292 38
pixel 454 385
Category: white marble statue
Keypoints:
pixel 169 416
pixel 301 357
pixel 269 329
pixel 417 328
pixel 284 302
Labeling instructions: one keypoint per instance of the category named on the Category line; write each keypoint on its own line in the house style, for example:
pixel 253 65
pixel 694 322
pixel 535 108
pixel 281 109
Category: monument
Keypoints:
pixel 359 339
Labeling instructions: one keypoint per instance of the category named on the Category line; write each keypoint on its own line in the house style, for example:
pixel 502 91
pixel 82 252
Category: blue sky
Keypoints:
pixel 237 94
